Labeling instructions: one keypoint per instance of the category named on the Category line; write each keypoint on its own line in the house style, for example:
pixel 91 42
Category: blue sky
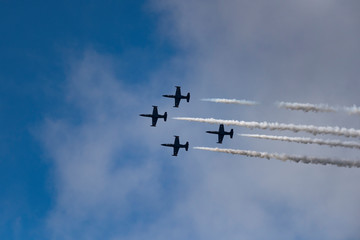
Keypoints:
pixel 37 41
pixel 76 161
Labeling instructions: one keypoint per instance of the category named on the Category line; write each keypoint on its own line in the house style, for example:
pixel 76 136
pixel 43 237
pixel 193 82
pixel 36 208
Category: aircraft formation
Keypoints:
pixel 221 133
pixel 177 145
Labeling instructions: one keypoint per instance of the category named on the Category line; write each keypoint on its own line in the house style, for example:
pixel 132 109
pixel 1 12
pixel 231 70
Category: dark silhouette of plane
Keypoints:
pixel 177 145
pixel 221 133
pixel 155 115
pixel 178 96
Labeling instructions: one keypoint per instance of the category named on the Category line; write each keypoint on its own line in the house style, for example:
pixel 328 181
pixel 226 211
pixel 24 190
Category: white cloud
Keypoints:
pixel 259 50
pixel 95 181
pixel 271 51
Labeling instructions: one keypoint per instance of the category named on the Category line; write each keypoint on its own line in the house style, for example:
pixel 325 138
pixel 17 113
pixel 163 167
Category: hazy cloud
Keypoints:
pixel 96 183
pixel 266 51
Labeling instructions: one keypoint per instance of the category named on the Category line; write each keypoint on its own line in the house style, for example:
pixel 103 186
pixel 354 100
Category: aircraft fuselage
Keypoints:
pixel 176 146
pixel 155 116
pixel 221 133
pixel 178 96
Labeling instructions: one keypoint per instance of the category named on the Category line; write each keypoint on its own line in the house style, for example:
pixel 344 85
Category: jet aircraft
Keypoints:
pixel 155 115
pixel 221 133
pixel 177 145
pixel 178 96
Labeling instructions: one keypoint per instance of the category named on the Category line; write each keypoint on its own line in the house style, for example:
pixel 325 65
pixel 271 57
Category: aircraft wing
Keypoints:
pixel 221 128
pixel 178 91
pixel 177 102
pixel 145 115
pixel 220 138
pixel 176 140
pixel 154 120
pixel 176 150
pixel 167 145
pixel 155 110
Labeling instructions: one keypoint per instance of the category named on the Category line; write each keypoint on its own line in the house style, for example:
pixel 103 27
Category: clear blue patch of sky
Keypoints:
pixel 35 36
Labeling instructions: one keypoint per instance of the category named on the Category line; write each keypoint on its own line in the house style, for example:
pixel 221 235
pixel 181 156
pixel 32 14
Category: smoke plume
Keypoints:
pixel 308 107
pixel 331 143
pixel 285 157
pixel 347 132
pixel 352 110
pixel 230 101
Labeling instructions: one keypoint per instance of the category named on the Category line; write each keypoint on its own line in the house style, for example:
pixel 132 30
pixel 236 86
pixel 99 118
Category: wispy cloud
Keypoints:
pixel 96 186
pixel 268 50
pixel 247 49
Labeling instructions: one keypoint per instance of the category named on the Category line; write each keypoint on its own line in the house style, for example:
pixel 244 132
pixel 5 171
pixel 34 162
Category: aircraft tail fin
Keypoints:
pixel 188 97
pixel 186 146
pixel 165 116
pixel 231 133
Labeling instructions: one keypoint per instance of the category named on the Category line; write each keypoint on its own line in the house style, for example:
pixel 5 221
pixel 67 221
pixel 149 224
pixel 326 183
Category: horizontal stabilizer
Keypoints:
pixel 188 97
pixel 231 133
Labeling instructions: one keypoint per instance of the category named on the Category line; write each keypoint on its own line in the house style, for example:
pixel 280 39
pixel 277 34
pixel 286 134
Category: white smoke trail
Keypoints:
pixel 230 101
pixel 307 107
pixel 285 157
pixel 331 143
pixel 352 110
pixel 347 132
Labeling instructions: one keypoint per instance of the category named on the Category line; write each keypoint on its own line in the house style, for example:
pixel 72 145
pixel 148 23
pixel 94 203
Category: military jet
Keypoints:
pixel 177 145
pixel 155 115
pixel 221 133
pixel 178 96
